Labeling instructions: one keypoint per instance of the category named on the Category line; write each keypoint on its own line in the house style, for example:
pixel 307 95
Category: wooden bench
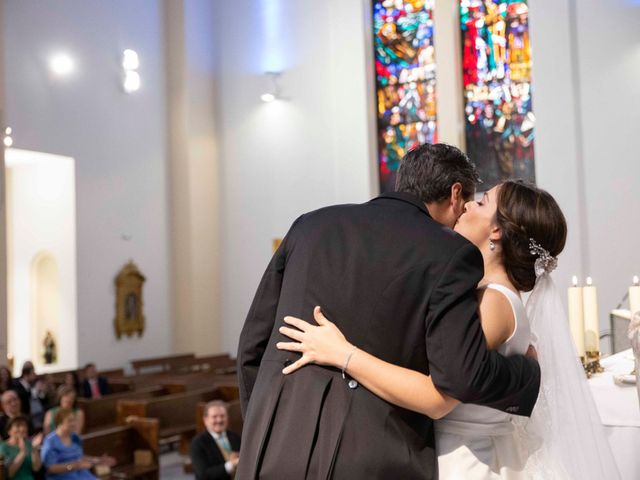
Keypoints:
pixel 196 380
pixel 189 380
pixel 159 364
pixel 219 364
pixel 103 412
pixel 175 412
pixel 58 377
pixel 120 442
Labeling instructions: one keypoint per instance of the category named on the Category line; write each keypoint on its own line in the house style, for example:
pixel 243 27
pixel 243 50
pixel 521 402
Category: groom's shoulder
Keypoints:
pixel 333 212
pixel 445 239
pixel 415 227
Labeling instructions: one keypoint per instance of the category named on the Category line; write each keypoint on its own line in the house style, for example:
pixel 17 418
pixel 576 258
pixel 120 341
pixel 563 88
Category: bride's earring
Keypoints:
pixel 492 246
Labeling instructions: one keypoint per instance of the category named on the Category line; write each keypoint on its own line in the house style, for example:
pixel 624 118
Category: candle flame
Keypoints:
pixel 574 281
pixel 636 280
pixel 589 281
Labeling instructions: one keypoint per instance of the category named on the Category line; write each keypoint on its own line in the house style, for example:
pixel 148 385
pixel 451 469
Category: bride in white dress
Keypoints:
pixel 519 230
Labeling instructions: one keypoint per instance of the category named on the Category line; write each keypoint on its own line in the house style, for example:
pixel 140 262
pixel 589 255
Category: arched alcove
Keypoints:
pixel 45 307
pixel 41 246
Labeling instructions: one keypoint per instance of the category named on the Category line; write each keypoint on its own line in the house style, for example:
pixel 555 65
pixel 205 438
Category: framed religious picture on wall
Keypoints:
pixel 129 319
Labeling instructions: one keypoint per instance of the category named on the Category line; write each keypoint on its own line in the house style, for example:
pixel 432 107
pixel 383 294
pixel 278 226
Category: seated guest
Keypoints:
pixel 71 380
pixel 214 452
pixel 94 386
pixel 39 403
pixel 6 379
pixel 62 453
pixel 21 456
pixel 50 388
pixel 11 408
pixel 66 399
pixel 23 386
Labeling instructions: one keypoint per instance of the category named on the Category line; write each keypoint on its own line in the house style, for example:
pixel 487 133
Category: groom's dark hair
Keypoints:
pixel 429 171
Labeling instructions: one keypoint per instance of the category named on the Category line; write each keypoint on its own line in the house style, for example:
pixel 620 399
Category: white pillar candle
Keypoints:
pixel 591 322
pixel 576 316
pixel 634 296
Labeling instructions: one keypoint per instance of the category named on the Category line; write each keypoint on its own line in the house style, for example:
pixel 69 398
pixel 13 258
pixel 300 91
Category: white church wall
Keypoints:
pixel 586 73
pixel 608 42
pixel 118 142
pixel 281 159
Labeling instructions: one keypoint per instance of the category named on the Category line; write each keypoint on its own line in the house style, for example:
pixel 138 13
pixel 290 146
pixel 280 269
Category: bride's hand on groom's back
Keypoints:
pixel 532 353
pixel 323 344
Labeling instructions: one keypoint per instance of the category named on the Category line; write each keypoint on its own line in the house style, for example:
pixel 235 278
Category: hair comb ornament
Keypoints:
pixel 545 263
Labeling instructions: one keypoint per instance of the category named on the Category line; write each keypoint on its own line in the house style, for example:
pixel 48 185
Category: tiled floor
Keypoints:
pixel 171 467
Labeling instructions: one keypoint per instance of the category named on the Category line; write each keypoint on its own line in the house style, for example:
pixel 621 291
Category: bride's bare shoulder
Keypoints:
pixel 496 315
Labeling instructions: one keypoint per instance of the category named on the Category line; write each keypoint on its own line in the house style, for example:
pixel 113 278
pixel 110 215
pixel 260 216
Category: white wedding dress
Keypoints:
pixel 563 440
pixel 475 442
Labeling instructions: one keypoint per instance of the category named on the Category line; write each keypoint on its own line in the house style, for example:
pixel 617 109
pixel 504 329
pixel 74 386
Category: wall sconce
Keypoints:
pixel 61 64
pixel 8 141
pixel 274 92
pixel 130 64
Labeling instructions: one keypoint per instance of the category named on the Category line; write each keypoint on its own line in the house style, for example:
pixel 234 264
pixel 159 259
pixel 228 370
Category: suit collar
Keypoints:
pixel 405 197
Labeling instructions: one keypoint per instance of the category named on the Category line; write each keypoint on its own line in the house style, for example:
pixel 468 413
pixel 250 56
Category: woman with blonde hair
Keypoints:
pixel 67 398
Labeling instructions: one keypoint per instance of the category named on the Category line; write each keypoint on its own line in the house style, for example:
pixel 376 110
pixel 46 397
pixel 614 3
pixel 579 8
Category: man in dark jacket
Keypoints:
pixel 23 386
pixel 214 452
pixel 401 285
pixel 94 386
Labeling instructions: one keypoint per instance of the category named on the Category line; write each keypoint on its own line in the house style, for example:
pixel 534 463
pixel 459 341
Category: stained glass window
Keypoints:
pixel 405 81
pixel 496 56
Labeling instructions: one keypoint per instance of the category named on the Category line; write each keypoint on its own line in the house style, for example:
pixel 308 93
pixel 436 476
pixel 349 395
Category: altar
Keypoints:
pixel 619 411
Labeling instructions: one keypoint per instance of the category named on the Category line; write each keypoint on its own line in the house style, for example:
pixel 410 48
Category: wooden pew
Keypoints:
pixel 175 412
pixel 159 364
pixel 190 380
pixel 121 385
pixel 103 412
pixel 121 441
pixel 58 377
pixel 196 380
pixel 219 364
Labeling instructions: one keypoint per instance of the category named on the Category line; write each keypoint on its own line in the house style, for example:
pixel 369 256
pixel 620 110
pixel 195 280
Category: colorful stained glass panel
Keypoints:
pixel 405 81
pixel 499 121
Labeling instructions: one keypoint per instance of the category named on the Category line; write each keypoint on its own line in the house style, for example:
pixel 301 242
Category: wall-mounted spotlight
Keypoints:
pixel 8 140
pixel 131 81
pixel 61 64
pixel 274 92
pixel 131 77
pixel 130 60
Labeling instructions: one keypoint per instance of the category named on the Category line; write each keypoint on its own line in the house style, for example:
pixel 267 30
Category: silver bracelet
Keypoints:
pixel 346 363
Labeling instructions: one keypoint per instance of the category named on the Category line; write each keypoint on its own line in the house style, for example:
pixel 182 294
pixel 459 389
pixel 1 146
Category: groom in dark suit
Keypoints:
pixel 401 285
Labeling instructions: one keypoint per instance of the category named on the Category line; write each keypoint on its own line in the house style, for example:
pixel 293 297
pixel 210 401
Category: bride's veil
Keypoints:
pixel 565 438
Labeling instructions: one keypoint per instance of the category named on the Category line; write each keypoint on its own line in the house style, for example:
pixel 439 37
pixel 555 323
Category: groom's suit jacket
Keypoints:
pixel 400 286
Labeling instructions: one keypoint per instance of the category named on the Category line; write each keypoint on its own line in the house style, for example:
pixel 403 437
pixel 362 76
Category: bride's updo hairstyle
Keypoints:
pixel 527 212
